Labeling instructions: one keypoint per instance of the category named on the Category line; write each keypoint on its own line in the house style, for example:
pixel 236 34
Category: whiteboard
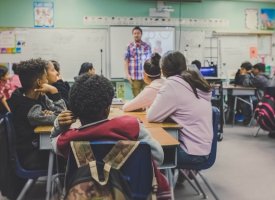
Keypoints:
pixel 120 38
pixel 234 51
pixel 70 47
pixel 191 44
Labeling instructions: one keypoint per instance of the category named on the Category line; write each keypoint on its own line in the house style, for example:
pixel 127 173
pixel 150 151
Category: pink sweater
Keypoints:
pixel 7 87
pixel 177 101
pixel 146 97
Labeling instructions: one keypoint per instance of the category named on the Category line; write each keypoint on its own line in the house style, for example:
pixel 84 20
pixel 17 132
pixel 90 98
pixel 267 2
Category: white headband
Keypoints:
pixel 152 76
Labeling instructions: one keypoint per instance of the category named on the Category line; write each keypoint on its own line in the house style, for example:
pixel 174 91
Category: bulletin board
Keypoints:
pixel 236 49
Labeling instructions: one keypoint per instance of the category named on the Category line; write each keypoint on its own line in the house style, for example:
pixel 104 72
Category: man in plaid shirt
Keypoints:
pixel 136 54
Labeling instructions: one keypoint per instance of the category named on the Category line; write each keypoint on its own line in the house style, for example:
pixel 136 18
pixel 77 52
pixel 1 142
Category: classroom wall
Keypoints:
pixel 69 13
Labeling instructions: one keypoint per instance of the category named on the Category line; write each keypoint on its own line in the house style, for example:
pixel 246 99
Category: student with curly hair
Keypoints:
pixel 31 107
pixel 90 101
pixel 186 99
pixel 152 77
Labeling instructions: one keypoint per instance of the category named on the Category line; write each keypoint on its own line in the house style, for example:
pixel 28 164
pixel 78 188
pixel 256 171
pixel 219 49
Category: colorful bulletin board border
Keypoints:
pixel 43 14
pixel 10 50
pixel 267 19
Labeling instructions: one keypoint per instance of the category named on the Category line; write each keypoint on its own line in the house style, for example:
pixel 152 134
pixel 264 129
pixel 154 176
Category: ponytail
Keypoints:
pixel 196 82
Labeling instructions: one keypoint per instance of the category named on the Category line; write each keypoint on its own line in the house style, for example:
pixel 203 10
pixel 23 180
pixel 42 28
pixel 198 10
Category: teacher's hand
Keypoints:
pixel 129 78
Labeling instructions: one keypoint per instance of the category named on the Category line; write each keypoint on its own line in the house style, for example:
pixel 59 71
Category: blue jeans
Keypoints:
pixel 187 159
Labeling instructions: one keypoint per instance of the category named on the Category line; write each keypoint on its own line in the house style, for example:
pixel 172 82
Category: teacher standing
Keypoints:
pixel 136 54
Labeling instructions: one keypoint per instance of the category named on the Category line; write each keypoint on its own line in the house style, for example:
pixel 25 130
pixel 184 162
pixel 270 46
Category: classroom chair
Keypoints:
pixel 137 170
pixel 30 175
pixel 210 161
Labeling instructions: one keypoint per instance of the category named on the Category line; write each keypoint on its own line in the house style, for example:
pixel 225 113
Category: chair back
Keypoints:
pixel 137 170
pixel 20 171
pixel 212 156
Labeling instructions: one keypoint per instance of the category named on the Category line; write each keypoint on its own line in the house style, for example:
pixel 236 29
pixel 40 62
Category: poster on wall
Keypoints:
pixel 43 14
pixel 251 19
pixel 267 19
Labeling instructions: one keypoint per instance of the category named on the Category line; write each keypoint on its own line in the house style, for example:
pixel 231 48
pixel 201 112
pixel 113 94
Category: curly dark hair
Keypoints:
pixel 29 71
pixel 90 96
pixel 14 68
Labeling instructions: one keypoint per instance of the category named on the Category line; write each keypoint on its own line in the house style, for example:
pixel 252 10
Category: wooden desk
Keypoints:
pixel 157 133
pixel 116 112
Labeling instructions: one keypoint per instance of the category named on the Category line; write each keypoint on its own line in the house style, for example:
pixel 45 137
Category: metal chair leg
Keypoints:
pixel 257 133
pixel 198 184
pixel 208 186
pixel 170 177
pixel 190 182
pixel 25 189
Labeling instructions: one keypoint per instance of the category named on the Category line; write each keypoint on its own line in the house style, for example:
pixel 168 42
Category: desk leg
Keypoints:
pixel 170 177
pixel 234 109
pixel 49 177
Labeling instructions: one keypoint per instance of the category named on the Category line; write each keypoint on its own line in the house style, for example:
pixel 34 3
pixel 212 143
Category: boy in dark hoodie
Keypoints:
pixel 31 107
pixel 258 79
pixel 244 69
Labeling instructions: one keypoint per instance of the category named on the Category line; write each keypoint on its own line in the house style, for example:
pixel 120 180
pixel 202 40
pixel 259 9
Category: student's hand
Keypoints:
pixel 66 118
pixel 243 71
pixel 47 112
pixel 46 88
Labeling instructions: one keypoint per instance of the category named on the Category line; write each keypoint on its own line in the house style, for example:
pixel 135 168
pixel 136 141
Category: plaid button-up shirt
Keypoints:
pixel 137 54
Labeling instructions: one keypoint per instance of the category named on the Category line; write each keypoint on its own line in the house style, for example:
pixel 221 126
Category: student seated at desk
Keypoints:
pixel 186 99
pixel 90 100
pixel 7 86
pixel 31 107
pixel 54 79
pixel 244 69
pixel 152 77
pixel 243 109
pixel 257 79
